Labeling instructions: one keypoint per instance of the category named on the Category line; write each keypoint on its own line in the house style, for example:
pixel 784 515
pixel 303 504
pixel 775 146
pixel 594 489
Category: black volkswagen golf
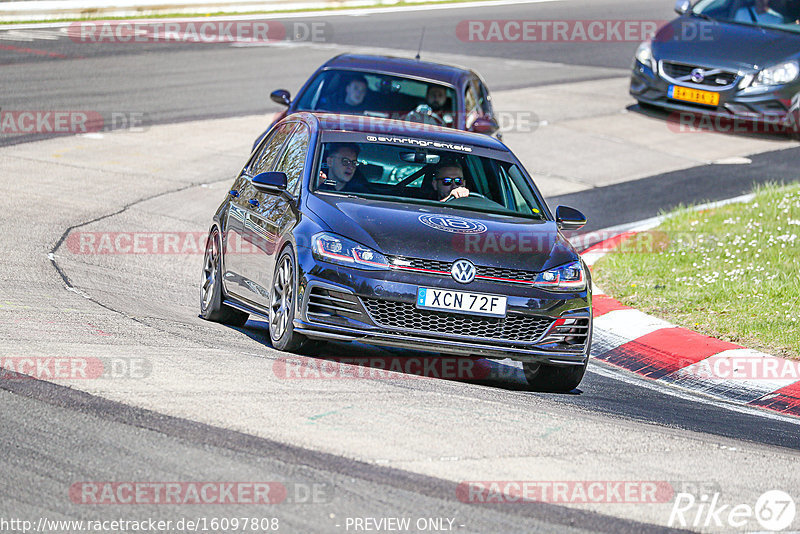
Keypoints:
pixel 346 229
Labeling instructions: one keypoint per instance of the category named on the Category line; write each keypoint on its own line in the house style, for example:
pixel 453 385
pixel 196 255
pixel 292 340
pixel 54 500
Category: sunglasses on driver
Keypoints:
pixel 451 180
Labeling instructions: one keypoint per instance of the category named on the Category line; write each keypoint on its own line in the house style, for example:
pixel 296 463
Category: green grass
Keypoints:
pixel 731 272
pixel 398 4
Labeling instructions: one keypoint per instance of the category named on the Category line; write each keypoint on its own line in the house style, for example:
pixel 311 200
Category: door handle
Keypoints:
pixel 253 202
pixel 234 193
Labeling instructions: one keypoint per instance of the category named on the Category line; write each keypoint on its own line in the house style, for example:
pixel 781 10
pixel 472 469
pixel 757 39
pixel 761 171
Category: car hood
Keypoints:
pixel 723 45
pixel 418 231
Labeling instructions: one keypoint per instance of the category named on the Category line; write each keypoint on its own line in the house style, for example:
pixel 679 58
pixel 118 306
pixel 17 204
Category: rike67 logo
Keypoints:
pixel 773 511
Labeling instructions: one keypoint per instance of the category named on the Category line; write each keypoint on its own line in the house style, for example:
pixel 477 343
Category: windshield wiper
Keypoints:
pixel 703 16
pixel 337 193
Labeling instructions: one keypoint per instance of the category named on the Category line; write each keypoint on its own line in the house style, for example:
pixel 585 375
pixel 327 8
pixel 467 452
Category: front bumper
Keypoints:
pixel 770 106
pixel 378 307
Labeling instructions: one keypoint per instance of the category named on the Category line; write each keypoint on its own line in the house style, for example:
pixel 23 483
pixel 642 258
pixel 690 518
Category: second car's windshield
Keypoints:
pixel 380 95
pixel 779 14
pixel 427 176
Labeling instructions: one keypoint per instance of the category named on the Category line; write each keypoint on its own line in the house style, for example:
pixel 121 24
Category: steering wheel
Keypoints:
pixel 424 114
pixel 471 194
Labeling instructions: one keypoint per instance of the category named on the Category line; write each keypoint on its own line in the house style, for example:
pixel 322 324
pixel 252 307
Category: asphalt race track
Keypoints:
pixel 193 401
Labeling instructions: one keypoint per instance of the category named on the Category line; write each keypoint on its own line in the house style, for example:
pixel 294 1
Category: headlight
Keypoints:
pixel 340 250
pixel 644 54
pixel 779 74
pixel 569 277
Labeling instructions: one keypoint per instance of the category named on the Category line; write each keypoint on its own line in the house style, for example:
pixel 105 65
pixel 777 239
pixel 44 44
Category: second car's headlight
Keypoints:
pixel 779 74
pixel 337 249
pixel 569 277
pixel 644 54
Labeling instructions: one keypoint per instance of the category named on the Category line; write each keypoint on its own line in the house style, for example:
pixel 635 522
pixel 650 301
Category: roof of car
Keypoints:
pixel 391 127
pixel 450 74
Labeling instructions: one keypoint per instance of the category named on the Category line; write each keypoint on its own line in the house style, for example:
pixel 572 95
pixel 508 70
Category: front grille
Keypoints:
pixel 507 274
pixel 716 78
pixel 570 333
pixel 417 263
pixel 403 316
pixel 510 275
pixel 677 70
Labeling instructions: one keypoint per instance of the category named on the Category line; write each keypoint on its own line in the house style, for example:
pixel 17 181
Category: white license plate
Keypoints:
pixel 461 302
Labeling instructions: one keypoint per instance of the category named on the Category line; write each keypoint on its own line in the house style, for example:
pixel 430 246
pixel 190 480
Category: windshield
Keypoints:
pixel 380 95
pixel 779 14
pixel 427 176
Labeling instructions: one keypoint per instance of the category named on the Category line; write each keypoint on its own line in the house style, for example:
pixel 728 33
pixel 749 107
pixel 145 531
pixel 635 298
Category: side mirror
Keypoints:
pixel 271 182
pixel 569 218
pixel 281 96
pixel 482 125
pixel 683 6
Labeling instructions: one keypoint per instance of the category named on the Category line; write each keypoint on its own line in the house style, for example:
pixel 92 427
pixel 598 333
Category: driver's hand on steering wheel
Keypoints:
pixel 458 192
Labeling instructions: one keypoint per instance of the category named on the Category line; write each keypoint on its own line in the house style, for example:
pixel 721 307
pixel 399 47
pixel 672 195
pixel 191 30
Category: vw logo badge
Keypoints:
pixel 463 272
pixel 698 75
pixel 454 225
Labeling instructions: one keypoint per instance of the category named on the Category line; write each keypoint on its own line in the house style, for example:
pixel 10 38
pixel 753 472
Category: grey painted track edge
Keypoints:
pixel 203 434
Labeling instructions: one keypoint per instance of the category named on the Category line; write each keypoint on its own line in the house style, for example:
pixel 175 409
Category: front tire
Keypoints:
pixel 282 304
pixel 211 306
pixel 554 378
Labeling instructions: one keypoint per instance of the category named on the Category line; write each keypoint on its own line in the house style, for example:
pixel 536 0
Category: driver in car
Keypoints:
pixel 436 98
pixel 342 164
pixel 449 182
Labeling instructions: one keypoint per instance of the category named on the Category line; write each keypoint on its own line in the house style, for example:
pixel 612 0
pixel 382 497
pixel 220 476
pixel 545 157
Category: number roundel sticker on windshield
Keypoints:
pixel 454 225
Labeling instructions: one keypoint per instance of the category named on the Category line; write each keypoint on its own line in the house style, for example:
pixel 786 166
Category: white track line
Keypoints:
pixel 604 369
pixel 355 12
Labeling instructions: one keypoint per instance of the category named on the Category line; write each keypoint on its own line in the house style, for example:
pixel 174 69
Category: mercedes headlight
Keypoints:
pixel 333 248
pixel 569 277
pixel 644 54
pixel 778 74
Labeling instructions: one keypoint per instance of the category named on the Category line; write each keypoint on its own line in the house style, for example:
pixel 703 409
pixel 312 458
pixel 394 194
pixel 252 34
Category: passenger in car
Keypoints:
pixel 760 13
pixel 355 93
pixel 449 181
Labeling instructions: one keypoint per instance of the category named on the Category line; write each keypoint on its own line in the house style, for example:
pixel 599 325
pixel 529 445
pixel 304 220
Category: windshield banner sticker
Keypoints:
pixel 418 142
